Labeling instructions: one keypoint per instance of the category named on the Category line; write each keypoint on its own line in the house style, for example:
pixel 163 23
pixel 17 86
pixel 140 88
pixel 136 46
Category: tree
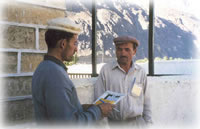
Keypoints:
pixel 74 61
pixel 165 58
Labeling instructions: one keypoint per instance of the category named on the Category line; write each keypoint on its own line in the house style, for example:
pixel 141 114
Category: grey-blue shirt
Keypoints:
pixel 54 95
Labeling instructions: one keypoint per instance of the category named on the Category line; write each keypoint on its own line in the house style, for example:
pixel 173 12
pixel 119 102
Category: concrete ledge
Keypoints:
pixel 174 101
pixel 85 89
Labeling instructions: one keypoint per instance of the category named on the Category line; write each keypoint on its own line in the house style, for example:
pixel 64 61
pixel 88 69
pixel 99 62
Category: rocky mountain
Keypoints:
pixel 175 32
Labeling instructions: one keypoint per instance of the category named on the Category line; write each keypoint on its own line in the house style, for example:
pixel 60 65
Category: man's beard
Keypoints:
pixel 123 60
pixel 68 59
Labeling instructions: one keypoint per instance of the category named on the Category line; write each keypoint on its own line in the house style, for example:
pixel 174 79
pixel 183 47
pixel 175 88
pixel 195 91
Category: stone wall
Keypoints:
pixel 22 41
pixel 22 47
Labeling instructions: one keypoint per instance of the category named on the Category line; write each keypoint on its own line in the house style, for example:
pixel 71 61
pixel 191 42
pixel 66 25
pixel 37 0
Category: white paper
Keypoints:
pixel 109 97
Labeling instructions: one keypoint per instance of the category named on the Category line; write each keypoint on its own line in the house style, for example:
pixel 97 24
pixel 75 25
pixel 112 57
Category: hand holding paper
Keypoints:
pixel 106 108
pixel 113 105
pixel 109 97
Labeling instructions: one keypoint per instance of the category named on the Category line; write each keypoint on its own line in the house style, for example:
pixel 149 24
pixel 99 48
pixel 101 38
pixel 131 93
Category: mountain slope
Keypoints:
pixel 174 32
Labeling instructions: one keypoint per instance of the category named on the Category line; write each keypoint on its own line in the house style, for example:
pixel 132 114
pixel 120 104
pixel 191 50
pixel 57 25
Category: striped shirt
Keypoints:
pixel 112 77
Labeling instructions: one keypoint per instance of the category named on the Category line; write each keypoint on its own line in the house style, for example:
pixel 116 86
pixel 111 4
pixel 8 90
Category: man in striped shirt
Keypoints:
pixel 124 76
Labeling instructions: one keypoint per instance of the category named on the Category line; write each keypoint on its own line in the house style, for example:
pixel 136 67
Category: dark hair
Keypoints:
pixel 53 36
pixel 135 45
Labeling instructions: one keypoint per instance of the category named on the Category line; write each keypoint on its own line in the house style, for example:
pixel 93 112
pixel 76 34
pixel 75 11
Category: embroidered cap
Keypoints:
pixel 126 39
pixel 64 24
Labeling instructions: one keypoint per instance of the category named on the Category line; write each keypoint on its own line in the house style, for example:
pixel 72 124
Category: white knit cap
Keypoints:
pixel 64 24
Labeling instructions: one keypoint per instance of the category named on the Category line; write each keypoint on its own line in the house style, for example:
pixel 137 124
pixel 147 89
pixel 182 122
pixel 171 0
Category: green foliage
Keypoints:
pixel 142 60
pixel 178 59
pixel 170 58
pixel 74 61
pixel 157 59
pixel 165 58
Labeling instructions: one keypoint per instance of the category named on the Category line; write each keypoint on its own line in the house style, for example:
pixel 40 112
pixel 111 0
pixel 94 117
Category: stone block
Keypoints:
pixel 8 62
pixel 29 13
pixel 16 86
pixel 17 111
pixel 30 61
pixel 18 37
pixel 42 42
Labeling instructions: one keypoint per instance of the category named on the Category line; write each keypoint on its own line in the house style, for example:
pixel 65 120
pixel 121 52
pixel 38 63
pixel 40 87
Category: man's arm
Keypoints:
pixel 60 102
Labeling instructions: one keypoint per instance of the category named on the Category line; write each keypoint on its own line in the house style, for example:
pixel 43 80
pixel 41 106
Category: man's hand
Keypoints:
pixel 106 108
pixel 86 106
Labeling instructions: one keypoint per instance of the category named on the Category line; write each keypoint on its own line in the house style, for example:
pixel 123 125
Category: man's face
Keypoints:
pixel 125 53
pixel 70 48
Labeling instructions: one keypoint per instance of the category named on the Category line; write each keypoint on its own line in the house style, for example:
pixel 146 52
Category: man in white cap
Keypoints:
pixel 54 95
pixel 124 76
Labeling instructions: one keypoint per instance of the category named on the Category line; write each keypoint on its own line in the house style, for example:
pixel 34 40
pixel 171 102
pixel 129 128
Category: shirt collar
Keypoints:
pixel 55 60
pixel 116 65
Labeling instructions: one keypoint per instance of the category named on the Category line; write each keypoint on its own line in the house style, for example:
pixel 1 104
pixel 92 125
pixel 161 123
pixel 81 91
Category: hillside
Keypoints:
pixel 175 32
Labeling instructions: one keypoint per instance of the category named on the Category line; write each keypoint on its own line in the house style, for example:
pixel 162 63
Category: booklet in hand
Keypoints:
pixel 109 97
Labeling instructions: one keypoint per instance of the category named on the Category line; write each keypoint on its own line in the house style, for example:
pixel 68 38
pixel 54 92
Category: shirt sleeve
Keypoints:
pixel 61 102
pixel 147 102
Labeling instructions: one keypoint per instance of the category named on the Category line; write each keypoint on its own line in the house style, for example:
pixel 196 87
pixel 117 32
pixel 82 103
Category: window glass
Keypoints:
pixel 176 36
pixel 114 18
